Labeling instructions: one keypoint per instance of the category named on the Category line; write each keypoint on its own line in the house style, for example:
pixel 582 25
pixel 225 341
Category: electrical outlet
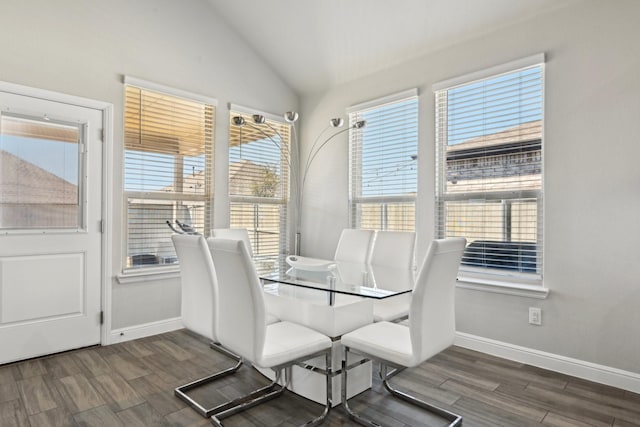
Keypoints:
pixel 535 316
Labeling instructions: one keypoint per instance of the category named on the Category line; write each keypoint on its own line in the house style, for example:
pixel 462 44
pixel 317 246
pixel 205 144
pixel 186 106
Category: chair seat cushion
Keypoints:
pixel 286 341
pixel 391 309
pixel 383 340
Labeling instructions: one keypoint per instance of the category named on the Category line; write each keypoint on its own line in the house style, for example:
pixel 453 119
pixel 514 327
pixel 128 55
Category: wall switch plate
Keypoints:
pixel 535 316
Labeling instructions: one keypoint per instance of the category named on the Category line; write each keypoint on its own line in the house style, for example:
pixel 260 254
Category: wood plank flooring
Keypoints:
pixel 131 384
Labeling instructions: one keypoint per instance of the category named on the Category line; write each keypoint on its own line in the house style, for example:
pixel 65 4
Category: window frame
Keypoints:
pixel 130 273
pixel 493 279
pixel 284 197
pixel 356 199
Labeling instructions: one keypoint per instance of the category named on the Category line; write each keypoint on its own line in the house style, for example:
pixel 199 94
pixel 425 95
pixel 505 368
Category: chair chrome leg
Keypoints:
pixel 384 373
pixel 345 402
pixel 454 420
pixel 220 349
pixel 181 392
pixel 254 398
pixel 257 397
pixel 328 375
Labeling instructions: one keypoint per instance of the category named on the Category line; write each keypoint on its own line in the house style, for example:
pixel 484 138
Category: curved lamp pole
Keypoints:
pixel 298 178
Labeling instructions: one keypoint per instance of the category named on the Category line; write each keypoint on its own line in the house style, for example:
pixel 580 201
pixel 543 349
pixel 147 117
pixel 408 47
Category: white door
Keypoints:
pixel 50 234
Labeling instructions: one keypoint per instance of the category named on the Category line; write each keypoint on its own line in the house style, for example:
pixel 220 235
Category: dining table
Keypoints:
pixel 333 298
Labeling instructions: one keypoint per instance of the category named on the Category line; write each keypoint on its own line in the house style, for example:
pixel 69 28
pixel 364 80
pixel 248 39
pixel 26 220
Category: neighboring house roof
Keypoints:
pixel 499 161
pixel 242 175
pixel 24 182
pixel 242 168
pixel 530 131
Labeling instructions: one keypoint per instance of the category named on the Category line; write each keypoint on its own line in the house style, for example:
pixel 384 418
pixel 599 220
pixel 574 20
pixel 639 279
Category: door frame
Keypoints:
pixel 107 190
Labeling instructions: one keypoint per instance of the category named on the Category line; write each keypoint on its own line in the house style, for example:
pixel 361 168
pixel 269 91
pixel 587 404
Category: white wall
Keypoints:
pixel 592 181
pixel 84 47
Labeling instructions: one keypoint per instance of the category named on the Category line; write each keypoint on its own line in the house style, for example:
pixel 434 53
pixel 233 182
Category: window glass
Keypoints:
pixel 40 177
pixel 259 168
pixel 383 165
pixel 489 171
pixel 168 172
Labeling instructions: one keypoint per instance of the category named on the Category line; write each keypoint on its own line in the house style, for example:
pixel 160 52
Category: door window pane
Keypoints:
pixel 39 174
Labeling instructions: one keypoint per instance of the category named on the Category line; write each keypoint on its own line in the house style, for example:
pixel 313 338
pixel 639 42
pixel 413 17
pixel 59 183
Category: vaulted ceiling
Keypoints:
pixel 317 44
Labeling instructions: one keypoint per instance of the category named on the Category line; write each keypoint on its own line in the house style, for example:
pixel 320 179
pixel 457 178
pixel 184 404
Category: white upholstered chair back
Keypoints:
pixel 394 249
pixel 241 312
pixel 234 234
pixel 199 286
pixel 354 246
pixel 432 312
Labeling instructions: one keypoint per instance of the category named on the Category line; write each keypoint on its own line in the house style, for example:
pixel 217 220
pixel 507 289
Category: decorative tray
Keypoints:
pixel 309 264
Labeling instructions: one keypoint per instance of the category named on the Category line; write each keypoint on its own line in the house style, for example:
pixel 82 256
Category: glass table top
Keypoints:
pixel 343 278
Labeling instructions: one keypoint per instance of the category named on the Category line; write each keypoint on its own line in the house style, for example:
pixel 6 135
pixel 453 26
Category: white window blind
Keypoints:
pixel 168 171
pixel 383 163
pixel 259 168
pixel 489 172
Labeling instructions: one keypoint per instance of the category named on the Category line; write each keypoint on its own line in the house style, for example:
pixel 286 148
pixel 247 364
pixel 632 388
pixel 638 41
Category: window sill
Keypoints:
pixel 506 288
pixel 148 275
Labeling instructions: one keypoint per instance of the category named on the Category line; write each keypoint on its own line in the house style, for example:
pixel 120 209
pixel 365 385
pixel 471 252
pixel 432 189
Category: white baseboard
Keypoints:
pixel 145 330
pixel 566 365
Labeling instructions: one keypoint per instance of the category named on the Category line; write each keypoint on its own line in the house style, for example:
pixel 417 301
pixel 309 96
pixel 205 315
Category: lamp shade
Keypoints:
pixel 290 116
pixel 337 122
pixel 259 119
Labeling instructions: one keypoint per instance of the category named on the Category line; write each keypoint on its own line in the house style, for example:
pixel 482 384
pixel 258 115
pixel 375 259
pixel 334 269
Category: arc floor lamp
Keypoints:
pixel 300 172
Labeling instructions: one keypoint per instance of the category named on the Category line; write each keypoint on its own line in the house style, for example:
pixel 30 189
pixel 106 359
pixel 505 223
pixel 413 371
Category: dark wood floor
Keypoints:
pixel 131 384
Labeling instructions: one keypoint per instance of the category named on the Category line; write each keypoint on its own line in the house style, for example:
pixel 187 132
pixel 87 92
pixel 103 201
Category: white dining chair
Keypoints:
pixel 394 308
pixel 199 298
pixel 242 234
pixel 354 246
pixel 393 250
pixel 234 234
pixel 431 328
pixel 242 312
